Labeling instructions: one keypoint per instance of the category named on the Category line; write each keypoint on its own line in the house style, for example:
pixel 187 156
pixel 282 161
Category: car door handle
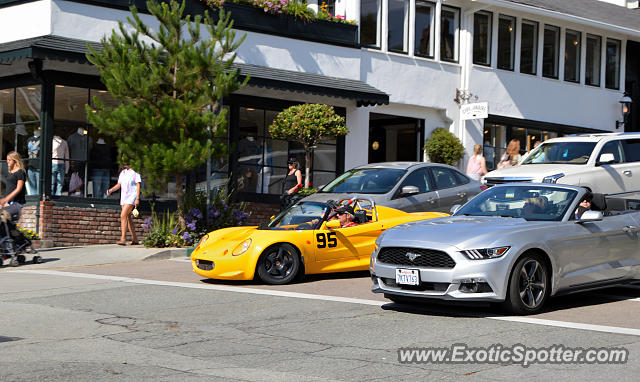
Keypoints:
pixel 431 200
pixel 627 172
pixel 629 228
pixel 462 194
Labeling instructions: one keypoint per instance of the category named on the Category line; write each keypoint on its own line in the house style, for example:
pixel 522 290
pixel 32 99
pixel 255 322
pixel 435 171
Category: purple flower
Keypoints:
pixel 191 226
pixel 195 213
pixel 186 237
pixel 175 231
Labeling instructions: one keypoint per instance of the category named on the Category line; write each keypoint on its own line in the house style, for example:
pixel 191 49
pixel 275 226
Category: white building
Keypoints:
pixel 545 67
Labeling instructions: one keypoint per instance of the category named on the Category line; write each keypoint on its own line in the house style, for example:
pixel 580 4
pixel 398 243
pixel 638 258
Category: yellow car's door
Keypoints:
pixel 344 249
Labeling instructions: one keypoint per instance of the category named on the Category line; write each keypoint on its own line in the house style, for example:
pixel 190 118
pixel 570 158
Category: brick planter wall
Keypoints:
pixel 72 226
pixel 260 212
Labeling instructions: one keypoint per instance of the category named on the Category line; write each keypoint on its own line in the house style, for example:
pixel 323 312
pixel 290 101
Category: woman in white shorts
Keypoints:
pixel 129 186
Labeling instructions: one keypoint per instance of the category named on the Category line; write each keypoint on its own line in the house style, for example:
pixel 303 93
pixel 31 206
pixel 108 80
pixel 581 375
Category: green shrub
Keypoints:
pixel 300 10
pixel 444 147
pixel 307 191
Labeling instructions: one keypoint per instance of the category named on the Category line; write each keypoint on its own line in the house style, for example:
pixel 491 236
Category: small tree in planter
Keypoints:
pixel 307 124
pixel 444 147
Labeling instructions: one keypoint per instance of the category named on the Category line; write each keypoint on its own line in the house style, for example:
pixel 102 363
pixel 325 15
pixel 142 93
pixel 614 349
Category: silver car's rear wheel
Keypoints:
pixel 528 285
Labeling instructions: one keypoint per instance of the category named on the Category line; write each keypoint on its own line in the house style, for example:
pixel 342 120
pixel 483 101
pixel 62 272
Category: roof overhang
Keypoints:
pixel 61 49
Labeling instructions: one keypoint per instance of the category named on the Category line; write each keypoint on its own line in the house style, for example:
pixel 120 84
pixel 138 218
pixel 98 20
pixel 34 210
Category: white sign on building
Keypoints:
pixel 474 110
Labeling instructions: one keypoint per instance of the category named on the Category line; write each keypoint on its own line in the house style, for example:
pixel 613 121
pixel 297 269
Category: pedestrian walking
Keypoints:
pixel 477 166
pixel 129 186
pixel 13 200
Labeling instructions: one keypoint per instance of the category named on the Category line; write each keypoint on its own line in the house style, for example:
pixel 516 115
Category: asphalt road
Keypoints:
pixel 157 320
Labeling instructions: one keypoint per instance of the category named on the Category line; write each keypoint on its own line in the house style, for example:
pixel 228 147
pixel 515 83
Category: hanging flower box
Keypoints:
pixel 254 19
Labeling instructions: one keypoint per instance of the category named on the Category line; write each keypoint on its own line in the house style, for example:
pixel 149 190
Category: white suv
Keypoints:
pixel 606 163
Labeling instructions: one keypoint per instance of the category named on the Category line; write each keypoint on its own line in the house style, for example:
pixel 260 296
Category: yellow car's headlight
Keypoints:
pixel 241 248
pixel 202 241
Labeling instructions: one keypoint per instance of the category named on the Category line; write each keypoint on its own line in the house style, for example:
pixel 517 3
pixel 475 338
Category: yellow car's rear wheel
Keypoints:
pixel 278 264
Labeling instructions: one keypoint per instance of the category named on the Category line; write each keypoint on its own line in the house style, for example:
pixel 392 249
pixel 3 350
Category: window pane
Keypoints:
pixel 631 150
pixel 70 104
pixel 7 106
pixel 324 158
pixel 482 38
pixel 369 16
pixel 420 179
pixel 529 47
pixel 612 80
pixel 424 22
pixel 506 41
pixel 572 43
pixel 321 178
pixel 28 100
pixel 443 177
pixel 449 34
pixel 594 49
pixel 550 51
pixel 398 25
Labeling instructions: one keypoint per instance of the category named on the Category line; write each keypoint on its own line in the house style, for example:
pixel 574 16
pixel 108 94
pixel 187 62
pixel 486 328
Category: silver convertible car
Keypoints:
pixel 516 244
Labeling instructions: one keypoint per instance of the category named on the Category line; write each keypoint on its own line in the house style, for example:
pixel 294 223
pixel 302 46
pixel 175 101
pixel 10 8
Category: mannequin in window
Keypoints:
pixel 33 164
pixel 100 164
pixel 80 143
pixel 59 164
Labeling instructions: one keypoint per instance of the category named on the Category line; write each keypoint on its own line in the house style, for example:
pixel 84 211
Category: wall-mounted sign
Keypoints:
pixel 474 110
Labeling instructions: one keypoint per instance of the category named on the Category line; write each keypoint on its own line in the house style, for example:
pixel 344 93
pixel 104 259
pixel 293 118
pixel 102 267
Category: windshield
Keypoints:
pixel 561 152
pixel 530 203
pixel 365 180
pixel 299 216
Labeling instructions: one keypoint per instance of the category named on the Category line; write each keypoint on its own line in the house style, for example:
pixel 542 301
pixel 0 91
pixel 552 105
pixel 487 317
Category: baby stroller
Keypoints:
pixel 13 244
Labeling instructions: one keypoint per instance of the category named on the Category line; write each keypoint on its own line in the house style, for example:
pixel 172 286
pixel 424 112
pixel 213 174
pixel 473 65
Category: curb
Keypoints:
pixel 169 254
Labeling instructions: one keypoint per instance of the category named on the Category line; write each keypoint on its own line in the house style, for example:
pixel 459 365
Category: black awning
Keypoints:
pixel 73 50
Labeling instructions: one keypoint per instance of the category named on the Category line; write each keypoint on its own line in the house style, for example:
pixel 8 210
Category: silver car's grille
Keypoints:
pixel 423 287
pixel 416 257
pixel 490 182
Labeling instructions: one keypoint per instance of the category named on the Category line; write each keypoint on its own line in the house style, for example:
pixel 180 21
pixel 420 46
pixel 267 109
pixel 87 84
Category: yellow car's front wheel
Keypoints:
pixel 278 264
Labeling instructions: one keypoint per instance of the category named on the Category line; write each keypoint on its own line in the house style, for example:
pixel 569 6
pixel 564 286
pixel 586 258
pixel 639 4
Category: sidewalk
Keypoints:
pixel 99 254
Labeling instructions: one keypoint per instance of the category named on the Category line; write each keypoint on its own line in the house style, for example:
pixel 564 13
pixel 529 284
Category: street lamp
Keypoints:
pixel 625 101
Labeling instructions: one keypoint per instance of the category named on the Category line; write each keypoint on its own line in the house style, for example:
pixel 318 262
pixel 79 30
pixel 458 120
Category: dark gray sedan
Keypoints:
pixel 407 186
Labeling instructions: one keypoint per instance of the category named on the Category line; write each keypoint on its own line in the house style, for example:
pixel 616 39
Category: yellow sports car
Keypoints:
pixel 301 240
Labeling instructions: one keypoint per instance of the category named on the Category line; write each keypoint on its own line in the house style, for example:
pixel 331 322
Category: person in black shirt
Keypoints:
pixel 13 201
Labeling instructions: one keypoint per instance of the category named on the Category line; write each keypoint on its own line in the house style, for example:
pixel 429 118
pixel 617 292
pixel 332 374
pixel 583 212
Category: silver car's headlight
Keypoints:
pixel 552 178
pixel 241 248
pixel 485 253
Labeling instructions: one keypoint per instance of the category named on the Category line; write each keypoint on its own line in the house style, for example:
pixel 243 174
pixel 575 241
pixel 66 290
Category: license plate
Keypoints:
pixel 407 277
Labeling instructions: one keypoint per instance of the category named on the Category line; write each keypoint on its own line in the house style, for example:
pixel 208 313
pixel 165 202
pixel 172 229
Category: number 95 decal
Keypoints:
pixel 327 240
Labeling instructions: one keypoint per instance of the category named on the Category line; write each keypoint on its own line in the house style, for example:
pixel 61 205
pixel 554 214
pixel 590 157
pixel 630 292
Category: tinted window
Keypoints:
pixel 444 177
pixel 366 180
pixel 561 152
pixel 631 150
pixel 612 147
pixel 419 178
pixel 460 179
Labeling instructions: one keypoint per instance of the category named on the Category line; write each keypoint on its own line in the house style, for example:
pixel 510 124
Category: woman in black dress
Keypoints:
pixel 291 184
pixel 13 200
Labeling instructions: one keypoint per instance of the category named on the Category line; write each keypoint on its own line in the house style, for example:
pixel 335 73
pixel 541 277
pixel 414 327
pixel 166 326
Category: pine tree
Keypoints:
pixel 169 83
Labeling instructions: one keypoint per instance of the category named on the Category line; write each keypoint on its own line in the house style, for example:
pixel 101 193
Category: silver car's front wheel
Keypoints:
pixel 528 285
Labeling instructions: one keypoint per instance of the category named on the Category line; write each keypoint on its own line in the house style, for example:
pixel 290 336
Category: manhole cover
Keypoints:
pixel 9 339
